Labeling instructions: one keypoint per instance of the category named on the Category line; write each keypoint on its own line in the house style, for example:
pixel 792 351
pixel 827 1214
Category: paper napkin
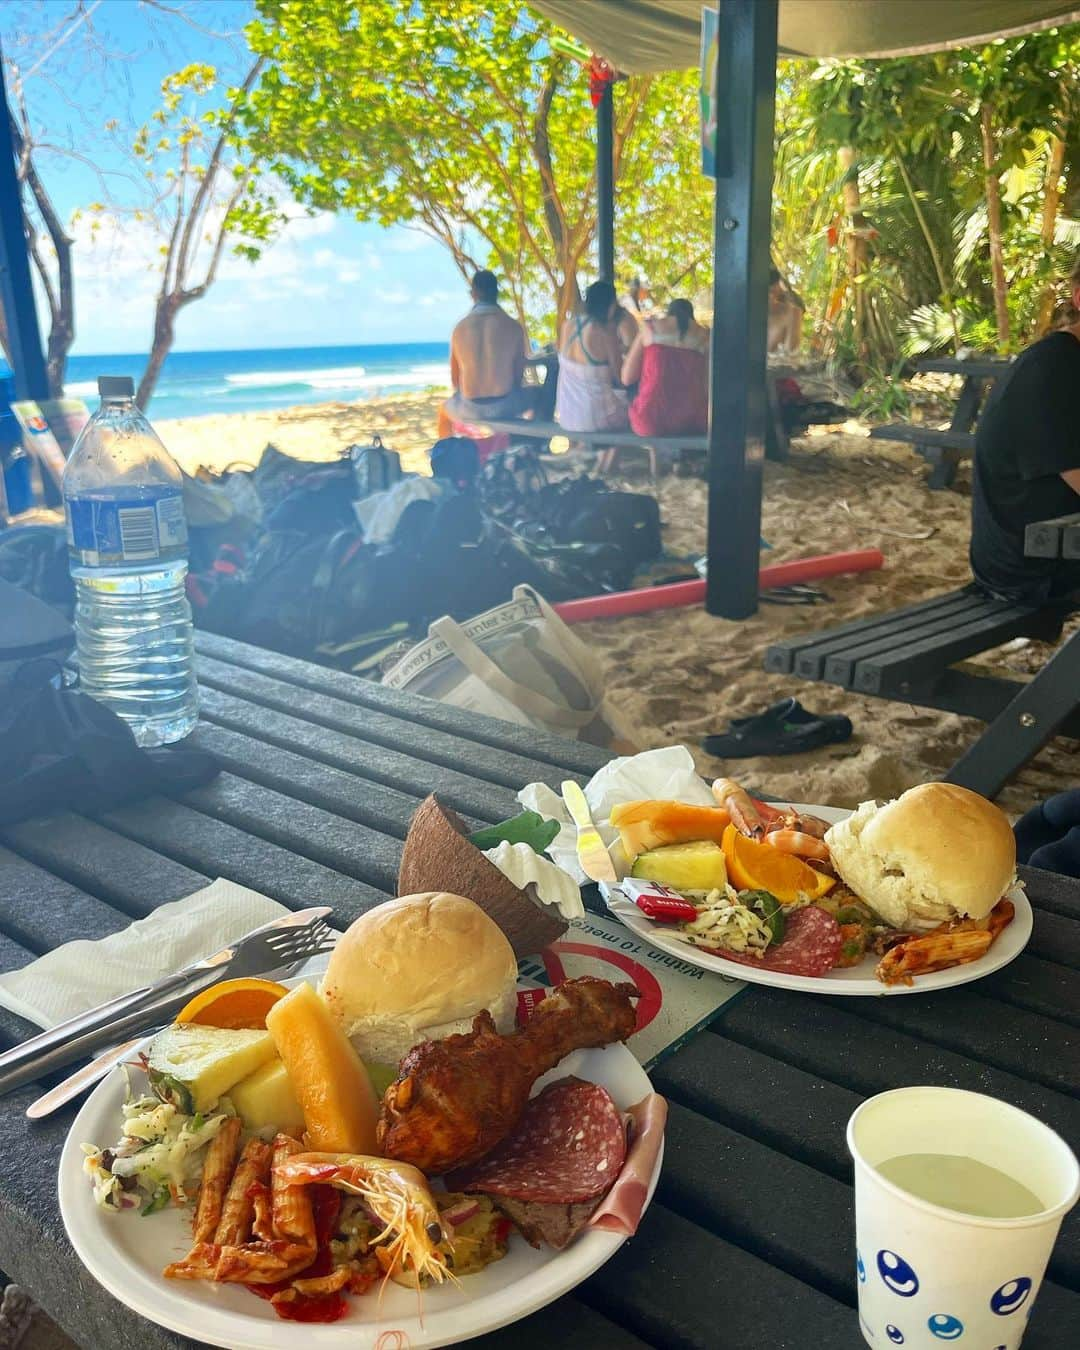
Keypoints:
pixel 82 974
pixel 654 775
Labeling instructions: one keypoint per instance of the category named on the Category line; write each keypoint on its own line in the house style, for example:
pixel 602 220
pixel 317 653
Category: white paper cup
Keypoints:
pixel 927 1275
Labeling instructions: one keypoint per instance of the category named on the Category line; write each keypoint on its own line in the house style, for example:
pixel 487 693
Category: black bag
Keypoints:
pixel 456 460
pixel 374 468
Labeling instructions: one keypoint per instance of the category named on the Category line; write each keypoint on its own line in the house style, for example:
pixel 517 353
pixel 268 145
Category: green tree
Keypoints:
pixel 208 192
pixel 457 117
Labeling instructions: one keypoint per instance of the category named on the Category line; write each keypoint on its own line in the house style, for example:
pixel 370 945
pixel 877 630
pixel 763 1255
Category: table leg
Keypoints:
pixel 777 445
pixel 1024 727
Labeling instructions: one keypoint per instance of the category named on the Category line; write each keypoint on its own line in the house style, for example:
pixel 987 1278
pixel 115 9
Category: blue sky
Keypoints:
pixel 329 279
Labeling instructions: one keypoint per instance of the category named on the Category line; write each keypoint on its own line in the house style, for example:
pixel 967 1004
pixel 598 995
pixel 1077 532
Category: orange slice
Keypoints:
pixel 758 867
pixel 233 1004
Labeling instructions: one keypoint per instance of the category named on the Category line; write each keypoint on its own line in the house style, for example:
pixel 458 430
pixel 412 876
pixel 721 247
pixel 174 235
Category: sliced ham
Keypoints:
pixel 622 1207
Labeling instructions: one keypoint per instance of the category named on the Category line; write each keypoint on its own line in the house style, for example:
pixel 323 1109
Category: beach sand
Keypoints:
pixel 406 423
pixel 677 675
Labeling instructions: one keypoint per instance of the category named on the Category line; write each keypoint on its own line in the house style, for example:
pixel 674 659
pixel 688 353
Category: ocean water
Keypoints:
pixel 262 379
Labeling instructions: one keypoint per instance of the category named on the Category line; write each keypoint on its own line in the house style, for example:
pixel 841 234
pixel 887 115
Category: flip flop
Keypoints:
pixel 785 728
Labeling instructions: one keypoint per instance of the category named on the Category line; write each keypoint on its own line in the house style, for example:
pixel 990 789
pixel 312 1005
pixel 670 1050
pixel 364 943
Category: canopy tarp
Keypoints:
pixel 638 36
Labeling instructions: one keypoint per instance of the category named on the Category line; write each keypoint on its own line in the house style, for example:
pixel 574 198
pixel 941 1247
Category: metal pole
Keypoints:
pixel 16 290
pixel 745 93
pixel 605 184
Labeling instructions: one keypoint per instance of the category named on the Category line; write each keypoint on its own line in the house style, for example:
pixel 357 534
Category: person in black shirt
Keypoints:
pixel 1027 467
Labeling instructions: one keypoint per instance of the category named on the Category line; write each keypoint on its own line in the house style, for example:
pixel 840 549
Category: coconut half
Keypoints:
pixel 439 855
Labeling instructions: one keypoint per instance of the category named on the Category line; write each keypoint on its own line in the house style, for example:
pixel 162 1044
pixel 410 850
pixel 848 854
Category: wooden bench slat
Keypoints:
pixel 970 630
pixel 801 1112
pixel 820 1036
pixel 546 431
pixel 781 657
pixel 342 846
pixel 913 434
pixel 308 780
pixel 905 665
pixel 102 863
pixel 838 658
pixel 678 1285
pixel 381 776
pixel 1042 987
pixel 400 752
pixel 49 907
pixel 179 834
pixel 567 1323
pixel 472 727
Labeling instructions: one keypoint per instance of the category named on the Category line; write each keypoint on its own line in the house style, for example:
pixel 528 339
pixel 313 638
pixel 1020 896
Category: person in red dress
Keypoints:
pixel 669 363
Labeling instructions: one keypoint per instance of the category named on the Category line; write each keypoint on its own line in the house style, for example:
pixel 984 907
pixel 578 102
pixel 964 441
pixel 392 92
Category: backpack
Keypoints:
pixel 374 467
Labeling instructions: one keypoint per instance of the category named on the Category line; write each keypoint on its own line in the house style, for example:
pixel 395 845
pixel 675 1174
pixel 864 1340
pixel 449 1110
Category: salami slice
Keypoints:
pixel 811 946
pixel 568 1148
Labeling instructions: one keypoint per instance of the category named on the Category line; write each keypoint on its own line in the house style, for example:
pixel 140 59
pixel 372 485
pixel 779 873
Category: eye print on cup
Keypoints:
pixel 945 1327
pixel 894 1334
pixel 1011 1297
pixel 860 1268
pixel 896 1274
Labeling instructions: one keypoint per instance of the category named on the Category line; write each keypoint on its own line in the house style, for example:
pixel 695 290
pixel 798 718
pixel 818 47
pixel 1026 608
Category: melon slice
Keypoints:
pixel 330 1082
pixel 647 825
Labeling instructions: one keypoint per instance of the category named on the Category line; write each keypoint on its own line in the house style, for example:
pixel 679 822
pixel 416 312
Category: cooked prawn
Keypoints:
pixel 399 1197
pixel 740 806
pixel 797 842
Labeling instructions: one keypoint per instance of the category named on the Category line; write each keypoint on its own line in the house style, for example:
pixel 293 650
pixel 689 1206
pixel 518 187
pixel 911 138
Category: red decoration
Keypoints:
pixel 601 74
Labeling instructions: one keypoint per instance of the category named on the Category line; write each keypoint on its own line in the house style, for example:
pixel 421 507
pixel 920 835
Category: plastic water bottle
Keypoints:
pixel 127 540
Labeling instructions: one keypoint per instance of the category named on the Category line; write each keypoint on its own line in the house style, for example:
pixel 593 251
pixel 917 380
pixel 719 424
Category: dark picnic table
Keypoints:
pixel 943 448
pixel 749 1244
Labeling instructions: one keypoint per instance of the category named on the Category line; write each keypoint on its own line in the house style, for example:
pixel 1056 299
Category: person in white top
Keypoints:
pixel 590 356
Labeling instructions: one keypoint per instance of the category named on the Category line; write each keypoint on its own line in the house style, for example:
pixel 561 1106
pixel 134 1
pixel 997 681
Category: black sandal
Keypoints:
pixel 786 728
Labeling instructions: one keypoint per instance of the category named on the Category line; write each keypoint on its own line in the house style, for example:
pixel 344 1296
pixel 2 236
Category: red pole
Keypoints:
pixel 693 592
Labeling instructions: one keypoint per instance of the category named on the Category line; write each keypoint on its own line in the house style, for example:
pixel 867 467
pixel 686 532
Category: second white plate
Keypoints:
pixel 858 979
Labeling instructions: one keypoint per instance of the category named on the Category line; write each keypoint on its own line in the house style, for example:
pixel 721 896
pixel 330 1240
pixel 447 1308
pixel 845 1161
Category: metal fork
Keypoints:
pixel 286 942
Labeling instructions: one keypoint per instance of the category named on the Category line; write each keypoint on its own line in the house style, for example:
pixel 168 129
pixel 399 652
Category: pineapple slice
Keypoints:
pixel 266 1100
pixel 192 1065
pixel 698 866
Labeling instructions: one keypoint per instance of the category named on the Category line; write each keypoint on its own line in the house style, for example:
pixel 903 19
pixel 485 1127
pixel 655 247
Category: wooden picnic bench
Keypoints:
pixel 916 655
pixel 749 1244
pixel 943 448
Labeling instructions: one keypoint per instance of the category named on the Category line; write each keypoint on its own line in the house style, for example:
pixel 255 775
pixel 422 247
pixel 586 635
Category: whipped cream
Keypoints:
pixel 551 885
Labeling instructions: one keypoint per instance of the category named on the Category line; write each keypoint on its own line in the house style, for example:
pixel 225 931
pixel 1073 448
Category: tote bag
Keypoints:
pixel 519 662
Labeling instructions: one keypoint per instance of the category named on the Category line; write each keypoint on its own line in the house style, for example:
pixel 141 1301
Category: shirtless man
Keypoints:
pixel 487 359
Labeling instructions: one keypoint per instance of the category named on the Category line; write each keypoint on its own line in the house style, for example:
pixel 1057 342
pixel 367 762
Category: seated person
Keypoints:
pixel 1027 467
pixel 589 398
pixel 487 360
pixel 669 362
pixel 786 312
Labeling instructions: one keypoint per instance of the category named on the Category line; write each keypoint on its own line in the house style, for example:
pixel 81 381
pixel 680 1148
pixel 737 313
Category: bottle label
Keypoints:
pixel 107 530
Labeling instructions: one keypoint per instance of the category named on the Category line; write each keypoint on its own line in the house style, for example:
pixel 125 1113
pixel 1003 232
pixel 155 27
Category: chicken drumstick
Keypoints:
pixel 455 1099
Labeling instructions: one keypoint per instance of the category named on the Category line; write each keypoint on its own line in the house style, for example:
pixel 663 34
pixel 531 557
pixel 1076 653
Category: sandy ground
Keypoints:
pixel 406 423
pixel 677 675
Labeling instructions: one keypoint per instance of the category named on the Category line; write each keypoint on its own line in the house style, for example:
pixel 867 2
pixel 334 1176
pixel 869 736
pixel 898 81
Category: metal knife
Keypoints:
pixel 84 1078
pixel 592 852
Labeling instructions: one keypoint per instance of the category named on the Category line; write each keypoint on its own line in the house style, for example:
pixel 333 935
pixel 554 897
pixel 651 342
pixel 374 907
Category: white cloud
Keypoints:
pixel 437 298
pixel 405 239
pixel 393 295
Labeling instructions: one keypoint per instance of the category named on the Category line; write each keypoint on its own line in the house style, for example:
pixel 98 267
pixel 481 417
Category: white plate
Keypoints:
pixel 126 1253
pixel 858 979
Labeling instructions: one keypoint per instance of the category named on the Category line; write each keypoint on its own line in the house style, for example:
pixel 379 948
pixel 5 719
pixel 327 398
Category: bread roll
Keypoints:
pixel 419 968
pixel 936 852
